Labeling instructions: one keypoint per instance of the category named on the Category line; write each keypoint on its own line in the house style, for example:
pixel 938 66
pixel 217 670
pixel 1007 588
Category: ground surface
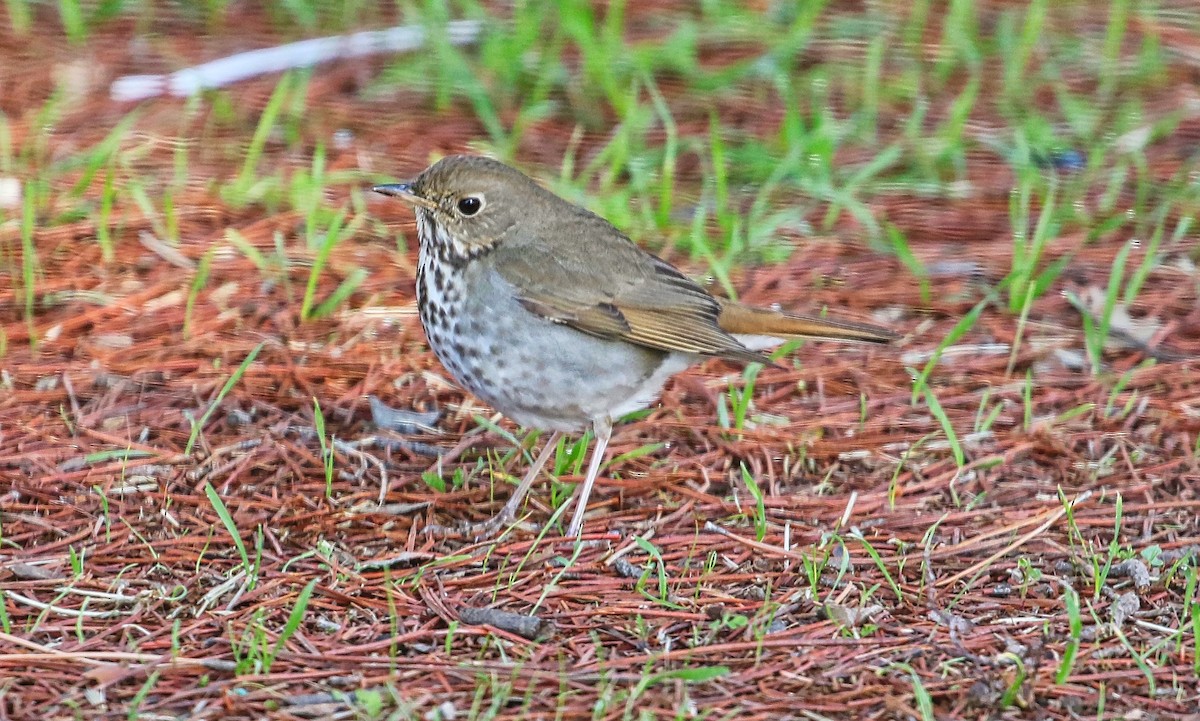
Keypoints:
pixel 1012 188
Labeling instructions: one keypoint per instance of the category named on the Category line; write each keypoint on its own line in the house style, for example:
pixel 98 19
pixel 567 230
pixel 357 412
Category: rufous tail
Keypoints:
pixel 743 320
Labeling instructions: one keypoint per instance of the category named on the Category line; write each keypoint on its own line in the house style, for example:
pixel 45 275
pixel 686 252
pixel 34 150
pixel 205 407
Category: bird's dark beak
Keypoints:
pixel 404 192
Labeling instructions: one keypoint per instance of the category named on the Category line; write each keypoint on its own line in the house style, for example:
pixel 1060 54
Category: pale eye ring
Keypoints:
pixel 469 205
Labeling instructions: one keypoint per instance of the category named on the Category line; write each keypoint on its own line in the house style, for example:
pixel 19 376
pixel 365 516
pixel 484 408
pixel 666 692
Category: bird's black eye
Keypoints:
pixel 470 205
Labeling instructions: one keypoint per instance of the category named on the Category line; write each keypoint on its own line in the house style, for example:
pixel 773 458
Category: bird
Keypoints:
pixel 555 318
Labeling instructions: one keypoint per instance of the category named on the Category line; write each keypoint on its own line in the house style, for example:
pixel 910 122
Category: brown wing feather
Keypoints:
pixel 676 331
pixel 635 297
pixel 603 320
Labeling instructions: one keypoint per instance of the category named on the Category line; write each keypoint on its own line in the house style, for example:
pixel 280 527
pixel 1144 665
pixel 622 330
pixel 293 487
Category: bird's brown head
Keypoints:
pixel 465 204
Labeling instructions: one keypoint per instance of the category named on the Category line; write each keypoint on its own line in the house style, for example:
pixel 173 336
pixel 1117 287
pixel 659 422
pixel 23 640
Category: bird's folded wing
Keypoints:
pixel 633 296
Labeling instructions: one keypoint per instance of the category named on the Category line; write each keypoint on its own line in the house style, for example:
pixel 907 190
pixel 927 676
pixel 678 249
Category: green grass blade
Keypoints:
pixel 229 384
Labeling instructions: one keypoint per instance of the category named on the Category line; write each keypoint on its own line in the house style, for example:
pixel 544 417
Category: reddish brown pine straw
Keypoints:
pixel 925 567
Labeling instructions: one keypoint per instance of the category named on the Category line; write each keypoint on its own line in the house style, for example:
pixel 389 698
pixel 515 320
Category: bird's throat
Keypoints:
pixel 443 246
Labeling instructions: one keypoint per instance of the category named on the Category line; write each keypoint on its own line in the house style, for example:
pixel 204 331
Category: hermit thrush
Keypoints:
pixel 559 321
